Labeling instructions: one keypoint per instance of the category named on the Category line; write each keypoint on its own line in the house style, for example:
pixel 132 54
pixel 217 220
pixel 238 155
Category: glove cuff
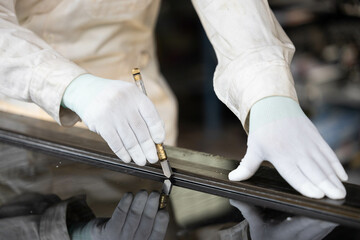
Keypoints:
pixel 81 91
pixel 272 109
pixel 91 230
pixel 81 231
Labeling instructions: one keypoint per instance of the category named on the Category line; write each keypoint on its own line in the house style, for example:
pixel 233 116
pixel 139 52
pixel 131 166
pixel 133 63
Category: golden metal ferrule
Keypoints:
pixel 136 74
pixel 163 201
pixel 161 152
pixel 135 71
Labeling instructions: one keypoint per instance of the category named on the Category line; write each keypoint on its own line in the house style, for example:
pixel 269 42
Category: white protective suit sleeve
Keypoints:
pixel 31 70
pixel 253 53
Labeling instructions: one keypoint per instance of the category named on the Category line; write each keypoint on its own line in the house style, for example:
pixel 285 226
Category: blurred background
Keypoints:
pixel 326 69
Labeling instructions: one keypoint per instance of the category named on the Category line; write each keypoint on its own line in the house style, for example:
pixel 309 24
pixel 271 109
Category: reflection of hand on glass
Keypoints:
pixel 296 228
pixel 134 218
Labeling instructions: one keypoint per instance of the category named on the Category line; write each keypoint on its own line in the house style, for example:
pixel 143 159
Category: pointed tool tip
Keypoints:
pixel 166 168
pixel 167 186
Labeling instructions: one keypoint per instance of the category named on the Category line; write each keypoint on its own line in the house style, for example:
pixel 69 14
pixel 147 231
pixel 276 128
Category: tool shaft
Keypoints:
pixel 159 146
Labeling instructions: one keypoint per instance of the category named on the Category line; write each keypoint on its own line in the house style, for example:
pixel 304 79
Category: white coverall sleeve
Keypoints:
pixel 253 53
pixel 30 70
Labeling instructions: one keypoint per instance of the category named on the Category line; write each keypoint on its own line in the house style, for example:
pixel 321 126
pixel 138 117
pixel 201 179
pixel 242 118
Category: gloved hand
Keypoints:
pixel 296 228
pixel 282 134
pixel 120 113
pixel 133 218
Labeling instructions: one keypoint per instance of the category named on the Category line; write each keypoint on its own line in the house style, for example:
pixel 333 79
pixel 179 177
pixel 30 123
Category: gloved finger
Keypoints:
pixel 333 159
pixel 148 217
pixel 330 154
pixel 131 144
pixel 334 178
pixel 142 134
pixel 117 220
pixel 251 213
pixel 160 225
pixel 292 174
pixel 314 173
pixel 113 140
pixel 247 167
pixel 134 215
pixel 319 157
pixel 153 121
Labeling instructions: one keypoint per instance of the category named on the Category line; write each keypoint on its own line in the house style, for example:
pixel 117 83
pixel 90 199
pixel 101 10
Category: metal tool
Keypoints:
pixel 164 196
pixel 159 147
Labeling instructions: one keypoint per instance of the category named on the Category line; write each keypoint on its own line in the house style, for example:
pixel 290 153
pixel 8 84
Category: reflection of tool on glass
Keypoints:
pixel 166 189
pixel 159 147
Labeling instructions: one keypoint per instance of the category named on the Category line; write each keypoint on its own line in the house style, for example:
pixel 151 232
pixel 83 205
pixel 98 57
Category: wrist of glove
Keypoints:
pixel 120 113
pixel 282 134
pixel 134 218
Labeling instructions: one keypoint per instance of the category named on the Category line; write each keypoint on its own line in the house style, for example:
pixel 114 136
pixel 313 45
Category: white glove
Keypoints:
pixel 120 113
pixel 282 134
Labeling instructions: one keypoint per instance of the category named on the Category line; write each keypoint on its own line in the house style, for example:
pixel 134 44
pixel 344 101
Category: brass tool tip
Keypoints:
pixel 163 160
pixel 136 74
pixel 161 152
pixel 135 71
pixel 163 201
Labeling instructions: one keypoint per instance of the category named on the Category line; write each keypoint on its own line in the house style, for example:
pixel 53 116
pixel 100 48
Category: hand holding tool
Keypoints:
pixel 115 109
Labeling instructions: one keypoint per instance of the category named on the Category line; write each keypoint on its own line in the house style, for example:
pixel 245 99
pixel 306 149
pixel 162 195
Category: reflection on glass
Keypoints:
pixel 267 225
pixel 195 215
pixel 38 216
